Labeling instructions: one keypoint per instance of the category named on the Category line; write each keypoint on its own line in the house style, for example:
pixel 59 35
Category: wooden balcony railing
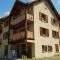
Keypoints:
pixel 17 36
pixel 21 35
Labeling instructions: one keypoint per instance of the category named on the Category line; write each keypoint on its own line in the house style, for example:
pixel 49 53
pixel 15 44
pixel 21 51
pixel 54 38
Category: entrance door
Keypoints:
pixel 29 50
pixel 23 49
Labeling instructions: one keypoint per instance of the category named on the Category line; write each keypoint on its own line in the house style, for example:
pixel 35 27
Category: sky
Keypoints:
pixel 6 6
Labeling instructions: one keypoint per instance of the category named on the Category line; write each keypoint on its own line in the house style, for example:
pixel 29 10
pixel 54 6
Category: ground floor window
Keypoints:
pixel 44 48
pixel 49 48
pixel 56 48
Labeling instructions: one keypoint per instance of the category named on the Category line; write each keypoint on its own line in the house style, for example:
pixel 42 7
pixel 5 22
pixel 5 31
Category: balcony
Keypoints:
pixel 18 19
pixel 20 36
pixel 17 37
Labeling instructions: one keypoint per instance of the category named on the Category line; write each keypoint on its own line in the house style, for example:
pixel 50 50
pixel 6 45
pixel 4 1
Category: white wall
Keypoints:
pixel 39 40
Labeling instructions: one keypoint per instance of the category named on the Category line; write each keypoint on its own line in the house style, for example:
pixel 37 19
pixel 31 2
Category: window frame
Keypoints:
pixel 50 49
pixel 54 21
pixel 44 48
pixel 55 34
pixel 45 33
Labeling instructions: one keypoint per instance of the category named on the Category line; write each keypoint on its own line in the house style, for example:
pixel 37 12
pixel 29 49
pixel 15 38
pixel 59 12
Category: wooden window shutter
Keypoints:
pixel 46 18
pixel 40 16
pixel 41 32
pixel 53 33
pixel 57 34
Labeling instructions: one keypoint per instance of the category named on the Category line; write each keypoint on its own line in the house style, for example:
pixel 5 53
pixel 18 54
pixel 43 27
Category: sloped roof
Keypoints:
pixel 48 1
pixel 51 5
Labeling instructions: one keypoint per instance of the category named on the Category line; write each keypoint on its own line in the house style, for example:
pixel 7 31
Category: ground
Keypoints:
pixel 50 58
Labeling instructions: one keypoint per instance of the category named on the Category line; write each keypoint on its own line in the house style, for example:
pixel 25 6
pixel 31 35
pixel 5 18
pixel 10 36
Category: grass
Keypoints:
pixel 48 58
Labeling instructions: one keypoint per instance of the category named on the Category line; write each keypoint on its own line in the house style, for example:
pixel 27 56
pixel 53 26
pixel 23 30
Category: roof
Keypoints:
pixel 48 1
pixel 51 5
pixel 16 5
pixel 3 18
pixel 29 3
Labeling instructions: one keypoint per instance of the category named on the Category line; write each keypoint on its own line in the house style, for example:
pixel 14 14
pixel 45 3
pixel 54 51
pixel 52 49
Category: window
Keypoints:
pixel 56 47
pixel 6 23
pixel 54 22
pixel 55 34
pixel 43 17
pixel 6 50
pixel 44 48
pixel 5 35
pixel 49 48
pixel 44 32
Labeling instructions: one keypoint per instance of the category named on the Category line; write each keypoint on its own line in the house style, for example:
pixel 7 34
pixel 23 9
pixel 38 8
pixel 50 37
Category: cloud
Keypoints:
pixel 7 13
pixel 0 17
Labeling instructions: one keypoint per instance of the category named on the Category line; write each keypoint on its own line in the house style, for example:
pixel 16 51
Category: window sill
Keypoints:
pixel 49 51
pixel 43 21
pixel 44 52
pixel 55 38
pixel 44 36
pixel 55 25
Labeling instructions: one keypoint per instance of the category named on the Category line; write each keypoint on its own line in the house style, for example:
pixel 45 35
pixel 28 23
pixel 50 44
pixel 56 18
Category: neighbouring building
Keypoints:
pixel 31 29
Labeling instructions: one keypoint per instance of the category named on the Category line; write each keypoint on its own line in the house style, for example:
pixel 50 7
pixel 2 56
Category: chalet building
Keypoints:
pixel 31 29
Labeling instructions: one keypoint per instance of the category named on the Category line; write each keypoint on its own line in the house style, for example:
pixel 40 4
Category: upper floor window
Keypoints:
pixel 5 35
pixel 44 32
pixel 43 17
pixel 54 22
pixel 6 23
pixel 55 34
